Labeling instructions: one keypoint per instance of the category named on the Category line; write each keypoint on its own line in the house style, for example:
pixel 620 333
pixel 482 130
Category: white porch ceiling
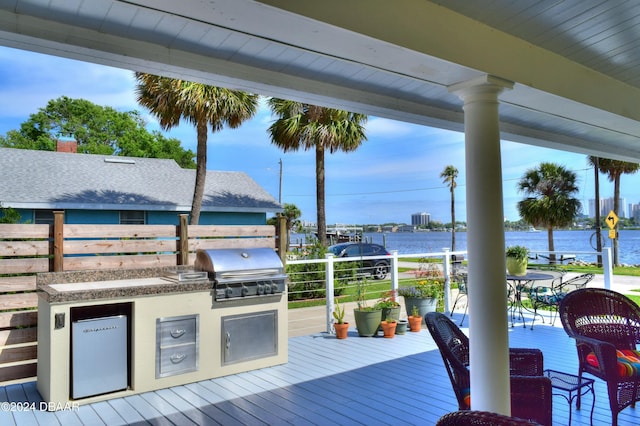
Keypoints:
pixel 574 62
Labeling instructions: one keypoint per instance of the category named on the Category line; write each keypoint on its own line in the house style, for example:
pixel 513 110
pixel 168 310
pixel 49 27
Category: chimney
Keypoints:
pixel 67 146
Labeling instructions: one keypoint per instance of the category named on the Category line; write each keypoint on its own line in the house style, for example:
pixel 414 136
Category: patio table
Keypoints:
pixel 571 383
pixel 520 284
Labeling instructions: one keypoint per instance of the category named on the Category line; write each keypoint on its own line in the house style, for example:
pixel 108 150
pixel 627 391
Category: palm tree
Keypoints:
pixel 614 169
pixel 201 105
pixel 550 202
pixel 313 127
pixel 449 175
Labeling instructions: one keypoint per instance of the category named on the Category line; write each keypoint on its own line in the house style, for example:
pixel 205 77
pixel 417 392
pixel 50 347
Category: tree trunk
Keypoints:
pixel 552 247
pixel 598 230
pixel 201 174
pixel 453 220
pixel 321 217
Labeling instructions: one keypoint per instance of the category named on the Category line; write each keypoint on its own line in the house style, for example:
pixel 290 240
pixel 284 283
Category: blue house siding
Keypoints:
pixel 26 216
pixel 112 217
pixel 90 217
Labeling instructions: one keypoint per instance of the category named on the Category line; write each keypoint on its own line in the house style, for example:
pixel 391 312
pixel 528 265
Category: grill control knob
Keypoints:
pixel 261 289
pixel 228 292
pixel 274 288
pixel 245 290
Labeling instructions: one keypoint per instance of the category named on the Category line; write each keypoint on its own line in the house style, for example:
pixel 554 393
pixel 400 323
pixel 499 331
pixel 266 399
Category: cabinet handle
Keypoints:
pixel 177 333
pixel 177 358
pixel 228 340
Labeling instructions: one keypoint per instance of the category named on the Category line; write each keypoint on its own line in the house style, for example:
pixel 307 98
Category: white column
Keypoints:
pixel 488 322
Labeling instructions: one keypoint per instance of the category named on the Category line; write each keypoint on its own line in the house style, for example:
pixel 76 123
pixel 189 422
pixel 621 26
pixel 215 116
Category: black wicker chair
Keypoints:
pixel 603 322
pixel 530 391
pixel 480 418
pixel 552 296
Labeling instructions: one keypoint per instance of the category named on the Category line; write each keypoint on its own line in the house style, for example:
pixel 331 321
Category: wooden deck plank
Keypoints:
pixel 17 395
pixel 127 411
pixel 357 381
pixel 108 414
pixel 147 411
pixel 6 416
pixel 191 411
pixel 167 410
pixel 210 404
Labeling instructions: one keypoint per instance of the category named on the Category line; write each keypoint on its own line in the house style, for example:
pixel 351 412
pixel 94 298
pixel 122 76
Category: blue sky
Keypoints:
pixel 395 173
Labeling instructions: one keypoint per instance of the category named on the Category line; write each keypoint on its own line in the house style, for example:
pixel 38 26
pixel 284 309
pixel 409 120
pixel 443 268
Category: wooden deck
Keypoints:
pixel 357 381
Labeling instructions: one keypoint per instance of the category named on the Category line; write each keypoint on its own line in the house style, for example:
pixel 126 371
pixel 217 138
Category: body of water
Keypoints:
pixel 565 241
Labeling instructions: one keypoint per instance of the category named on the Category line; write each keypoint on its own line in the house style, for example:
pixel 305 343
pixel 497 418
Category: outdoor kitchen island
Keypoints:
pixel 113 333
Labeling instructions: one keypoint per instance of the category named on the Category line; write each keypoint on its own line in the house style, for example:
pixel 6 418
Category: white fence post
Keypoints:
pixel 329 291
pixel 607 267
pixel 394 271
pixel 446 270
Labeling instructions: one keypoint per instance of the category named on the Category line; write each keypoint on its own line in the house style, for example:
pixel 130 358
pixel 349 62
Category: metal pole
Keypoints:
pixel 608 269
pixel 329 292
pixel 446 269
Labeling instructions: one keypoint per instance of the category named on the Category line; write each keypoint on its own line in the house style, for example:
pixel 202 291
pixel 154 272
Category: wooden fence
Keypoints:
pixel 26 250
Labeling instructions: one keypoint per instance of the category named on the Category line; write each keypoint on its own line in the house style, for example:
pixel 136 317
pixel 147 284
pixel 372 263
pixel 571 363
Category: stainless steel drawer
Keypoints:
pixel 177 345
pixel 177 330
pixel 177 360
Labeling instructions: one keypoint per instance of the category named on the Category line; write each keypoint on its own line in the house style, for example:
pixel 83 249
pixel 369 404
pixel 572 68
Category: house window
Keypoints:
pixel 132 217
pixel 44 217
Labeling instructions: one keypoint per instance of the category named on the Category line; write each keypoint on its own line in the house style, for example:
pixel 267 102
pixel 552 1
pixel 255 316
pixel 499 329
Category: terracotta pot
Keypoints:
pixel 389 329
pixel 341 330
pixel 415 323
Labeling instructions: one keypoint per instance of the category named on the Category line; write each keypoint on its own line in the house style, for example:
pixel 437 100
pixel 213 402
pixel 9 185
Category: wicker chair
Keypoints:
pixel 480 418
pixel 551 296
pixel 603 322
pixel 530 390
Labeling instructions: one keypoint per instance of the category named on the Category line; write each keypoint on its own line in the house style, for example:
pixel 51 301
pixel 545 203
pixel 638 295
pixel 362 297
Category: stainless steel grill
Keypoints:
pixel 242 273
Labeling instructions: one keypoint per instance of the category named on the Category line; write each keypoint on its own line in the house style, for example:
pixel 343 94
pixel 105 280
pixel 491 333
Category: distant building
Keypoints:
pixel 606 205
pixel 634 212
pixel 420 219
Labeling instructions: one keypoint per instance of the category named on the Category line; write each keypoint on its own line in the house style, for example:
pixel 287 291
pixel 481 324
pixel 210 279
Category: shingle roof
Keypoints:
pixel 57 180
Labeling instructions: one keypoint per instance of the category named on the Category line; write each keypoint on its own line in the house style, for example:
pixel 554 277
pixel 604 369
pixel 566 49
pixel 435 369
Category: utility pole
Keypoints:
pixel 280 186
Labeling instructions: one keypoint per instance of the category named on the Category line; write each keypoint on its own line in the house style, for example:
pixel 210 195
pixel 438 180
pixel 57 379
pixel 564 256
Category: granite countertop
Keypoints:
pixel 59 287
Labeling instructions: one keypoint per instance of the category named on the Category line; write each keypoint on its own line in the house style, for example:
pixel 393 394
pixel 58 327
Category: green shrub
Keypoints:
pixel 308 280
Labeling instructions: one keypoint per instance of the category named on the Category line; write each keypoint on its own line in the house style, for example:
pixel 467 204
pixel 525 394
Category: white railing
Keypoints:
pixel 395 259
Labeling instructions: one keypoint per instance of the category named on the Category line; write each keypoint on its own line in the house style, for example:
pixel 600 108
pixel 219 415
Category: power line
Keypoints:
pixel 397 191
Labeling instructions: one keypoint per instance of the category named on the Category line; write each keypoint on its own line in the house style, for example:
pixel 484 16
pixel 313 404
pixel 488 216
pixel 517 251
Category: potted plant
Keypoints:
pixel 367 318
pixel 389 327
pixel 517 258
pixel 415 320
pixel 425 294
pixel 340 326
pixel 389 305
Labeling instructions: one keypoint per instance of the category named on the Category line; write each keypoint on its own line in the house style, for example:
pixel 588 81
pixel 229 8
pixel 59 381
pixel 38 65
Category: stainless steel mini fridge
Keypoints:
pixel 99 356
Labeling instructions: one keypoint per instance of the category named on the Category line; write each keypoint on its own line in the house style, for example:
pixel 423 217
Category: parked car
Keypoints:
pixel 376 268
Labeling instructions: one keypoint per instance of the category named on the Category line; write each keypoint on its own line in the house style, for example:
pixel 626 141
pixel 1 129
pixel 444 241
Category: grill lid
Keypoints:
pixel 228 264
